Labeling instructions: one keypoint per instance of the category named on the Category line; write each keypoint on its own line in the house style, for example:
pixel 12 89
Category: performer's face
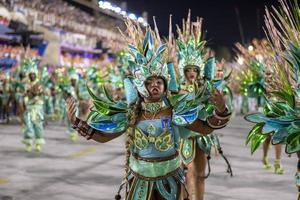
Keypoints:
pixel 118 94
pixel 73 82
pixel 22 76
pixel 191 73
pixel 32 76
pixel 156 88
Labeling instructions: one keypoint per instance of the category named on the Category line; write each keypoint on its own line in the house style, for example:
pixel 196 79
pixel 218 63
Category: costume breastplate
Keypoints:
pixel 188 88
pixel 154 137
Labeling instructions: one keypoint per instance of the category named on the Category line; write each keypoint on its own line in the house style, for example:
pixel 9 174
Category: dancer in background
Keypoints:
pixel 48 98
pixel 34 108
pixel 70 88
pixel 257 59
pixel 20 89
pixel 5 97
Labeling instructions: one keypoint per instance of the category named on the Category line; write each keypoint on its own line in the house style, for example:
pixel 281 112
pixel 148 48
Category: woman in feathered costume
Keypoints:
pixel 258 60
pixel 280 117
pixel 196 74
pixel 252 61
pixel 153 121
pixel 34 104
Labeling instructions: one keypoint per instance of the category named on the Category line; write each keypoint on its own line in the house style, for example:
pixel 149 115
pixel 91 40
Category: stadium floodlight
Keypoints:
pixel 240 60
pixel 118 9
pixel 259 57
pixel 132 16
pixel 250 48
pixel 107 5
pixel 140 19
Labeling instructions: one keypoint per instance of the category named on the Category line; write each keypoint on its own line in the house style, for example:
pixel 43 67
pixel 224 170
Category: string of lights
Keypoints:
pixel 116 9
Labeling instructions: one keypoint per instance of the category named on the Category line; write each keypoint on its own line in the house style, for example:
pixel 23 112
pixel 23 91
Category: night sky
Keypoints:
pixel 220 19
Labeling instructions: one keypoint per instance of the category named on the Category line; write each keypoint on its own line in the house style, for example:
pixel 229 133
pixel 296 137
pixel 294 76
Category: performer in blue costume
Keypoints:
pixel 153 121
pixel 252 81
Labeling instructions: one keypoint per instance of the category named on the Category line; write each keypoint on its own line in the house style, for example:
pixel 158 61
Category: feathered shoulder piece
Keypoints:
pixel 191 106
pixel 107 115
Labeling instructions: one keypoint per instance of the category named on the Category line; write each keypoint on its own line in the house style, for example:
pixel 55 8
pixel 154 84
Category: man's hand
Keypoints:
pixel 71 109
pixel 218 101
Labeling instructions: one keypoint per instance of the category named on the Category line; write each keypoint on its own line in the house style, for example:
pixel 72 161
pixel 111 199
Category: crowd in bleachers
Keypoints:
pixel 61 15
pixel 15 52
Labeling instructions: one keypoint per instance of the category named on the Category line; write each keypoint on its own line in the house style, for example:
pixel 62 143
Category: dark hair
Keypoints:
pixel 190 66
pixel 132 115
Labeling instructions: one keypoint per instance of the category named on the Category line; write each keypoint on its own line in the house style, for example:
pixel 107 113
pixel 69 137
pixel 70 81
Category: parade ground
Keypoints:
pixel 86 170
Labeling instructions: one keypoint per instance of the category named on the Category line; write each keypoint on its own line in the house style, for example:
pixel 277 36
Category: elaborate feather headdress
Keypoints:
pixel 149 55
pixel 191 49
pixel 30 65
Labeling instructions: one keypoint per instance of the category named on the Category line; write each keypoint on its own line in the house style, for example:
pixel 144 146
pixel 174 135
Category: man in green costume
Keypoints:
pixel 34 111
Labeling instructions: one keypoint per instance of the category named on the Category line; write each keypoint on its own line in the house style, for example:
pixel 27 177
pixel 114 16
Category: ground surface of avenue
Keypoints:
pixel 86 170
